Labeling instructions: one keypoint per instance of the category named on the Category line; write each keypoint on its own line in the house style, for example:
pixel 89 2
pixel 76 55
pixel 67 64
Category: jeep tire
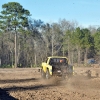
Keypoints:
pixel 43 74
pixel 47 74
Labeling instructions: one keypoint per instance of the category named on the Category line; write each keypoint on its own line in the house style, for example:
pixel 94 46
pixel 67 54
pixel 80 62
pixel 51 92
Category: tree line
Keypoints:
pixel 26 42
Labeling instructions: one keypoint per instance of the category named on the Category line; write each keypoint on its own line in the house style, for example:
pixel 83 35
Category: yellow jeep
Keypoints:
pixel 56 66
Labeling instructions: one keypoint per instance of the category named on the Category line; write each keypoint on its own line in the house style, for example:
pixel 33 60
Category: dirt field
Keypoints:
pixel 26 84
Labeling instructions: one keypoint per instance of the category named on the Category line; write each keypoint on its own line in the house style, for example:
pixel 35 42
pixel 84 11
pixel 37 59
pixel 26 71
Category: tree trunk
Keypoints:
pixel 15 49
pixel 63 51
pixel 72 57
pixel 52 45
pixel 35 60
pixel 79 55
pixel 85 56
pixel 68 50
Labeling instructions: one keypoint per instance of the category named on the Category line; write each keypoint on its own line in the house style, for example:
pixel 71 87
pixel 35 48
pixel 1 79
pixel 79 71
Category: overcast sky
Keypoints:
pixel 85 12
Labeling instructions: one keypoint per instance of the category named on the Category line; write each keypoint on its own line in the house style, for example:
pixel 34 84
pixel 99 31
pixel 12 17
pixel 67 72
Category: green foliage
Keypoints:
pixel 87 38
pixel 98 29
pixel 78 37
pixel 82 38
pixel 6 66
pixel 97 40
pixel 67 39
pixel 13 17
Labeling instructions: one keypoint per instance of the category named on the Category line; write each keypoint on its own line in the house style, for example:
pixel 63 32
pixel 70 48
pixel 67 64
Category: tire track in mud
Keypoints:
pixel 71 89
pixel 31 87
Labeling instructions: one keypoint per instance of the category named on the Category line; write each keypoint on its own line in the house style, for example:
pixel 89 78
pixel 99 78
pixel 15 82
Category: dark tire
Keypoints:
pixel 43 74
pixel 48 74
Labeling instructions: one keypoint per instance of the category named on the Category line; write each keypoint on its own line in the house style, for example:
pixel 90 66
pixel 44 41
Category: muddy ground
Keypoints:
pixel 26 84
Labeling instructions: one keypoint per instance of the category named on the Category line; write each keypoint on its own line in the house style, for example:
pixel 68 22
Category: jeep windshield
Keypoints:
pixel 58 61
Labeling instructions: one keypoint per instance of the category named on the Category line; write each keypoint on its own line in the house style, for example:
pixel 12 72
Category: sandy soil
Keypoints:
pixel 26 84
